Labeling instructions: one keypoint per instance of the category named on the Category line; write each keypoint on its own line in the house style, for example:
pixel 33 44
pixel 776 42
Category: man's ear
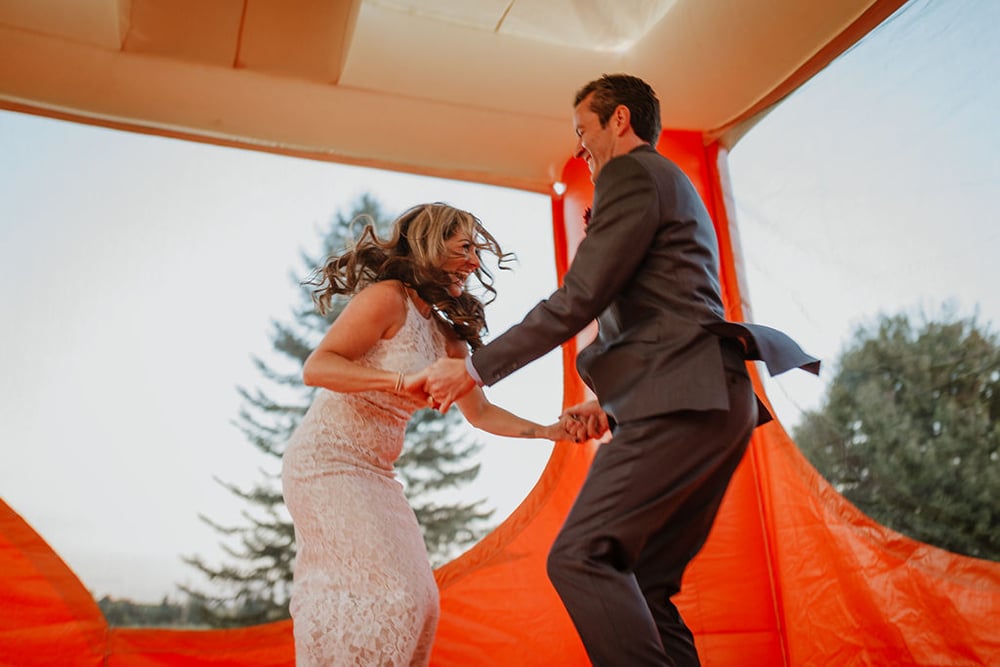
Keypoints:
pixel 622 119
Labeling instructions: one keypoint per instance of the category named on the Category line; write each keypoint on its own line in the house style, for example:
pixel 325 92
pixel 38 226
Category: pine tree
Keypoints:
pixel 909 431
pixel 257 579
pixel 427 469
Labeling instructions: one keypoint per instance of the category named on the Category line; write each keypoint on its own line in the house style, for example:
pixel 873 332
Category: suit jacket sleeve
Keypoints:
pixel 625 216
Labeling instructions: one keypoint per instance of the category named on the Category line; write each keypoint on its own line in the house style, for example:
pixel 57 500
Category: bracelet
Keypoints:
pixel 399 382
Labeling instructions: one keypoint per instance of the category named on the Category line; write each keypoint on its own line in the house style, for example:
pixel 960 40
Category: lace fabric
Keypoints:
pixel 363 591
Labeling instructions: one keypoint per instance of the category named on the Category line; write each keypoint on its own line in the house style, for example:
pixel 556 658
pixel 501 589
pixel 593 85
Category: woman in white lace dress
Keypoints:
pixel 363 593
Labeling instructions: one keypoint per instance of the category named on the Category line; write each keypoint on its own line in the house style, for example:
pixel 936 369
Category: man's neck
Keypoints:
pixel 628 143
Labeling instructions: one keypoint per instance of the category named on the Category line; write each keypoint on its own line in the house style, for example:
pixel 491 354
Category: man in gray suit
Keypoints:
pixel 669 374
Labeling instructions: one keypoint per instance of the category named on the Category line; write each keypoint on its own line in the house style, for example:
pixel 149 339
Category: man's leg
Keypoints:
pixel 639 485
pixel 668 551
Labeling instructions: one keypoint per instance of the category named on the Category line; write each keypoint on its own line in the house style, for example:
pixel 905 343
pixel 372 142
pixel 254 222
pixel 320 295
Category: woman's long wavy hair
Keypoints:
pixel 414 255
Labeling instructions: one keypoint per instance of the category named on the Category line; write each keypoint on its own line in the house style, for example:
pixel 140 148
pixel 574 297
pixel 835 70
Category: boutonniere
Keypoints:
pixel 586 216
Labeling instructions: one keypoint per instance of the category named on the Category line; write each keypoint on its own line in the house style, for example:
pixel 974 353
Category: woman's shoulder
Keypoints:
pixel 385 296
pixel 391 289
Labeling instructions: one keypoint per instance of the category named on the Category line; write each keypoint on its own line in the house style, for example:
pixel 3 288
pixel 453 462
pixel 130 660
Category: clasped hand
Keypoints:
pixel 440 384
pixel 584 421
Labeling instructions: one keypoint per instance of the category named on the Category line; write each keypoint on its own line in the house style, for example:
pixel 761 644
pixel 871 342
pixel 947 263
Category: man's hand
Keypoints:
pixel 585 420
pixel 447 381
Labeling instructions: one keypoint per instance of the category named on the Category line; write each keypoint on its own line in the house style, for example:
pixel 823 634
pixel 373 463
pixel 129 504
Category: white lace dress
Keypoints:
pixel 364 593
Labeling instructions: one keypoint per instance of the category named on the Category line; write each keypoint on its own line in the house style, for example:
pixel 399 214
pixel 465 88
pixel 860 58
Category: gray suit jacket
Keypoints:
pixel 647 270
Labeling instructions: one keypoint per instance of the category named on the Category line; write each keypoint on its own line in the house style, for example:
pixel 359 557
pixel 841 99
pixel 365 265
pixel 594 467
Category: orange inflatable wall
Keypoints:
pixel 791 575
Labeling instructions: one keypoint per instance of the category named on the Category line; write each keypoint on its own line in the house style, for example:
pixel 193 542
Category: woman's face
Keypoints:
pixel 461 260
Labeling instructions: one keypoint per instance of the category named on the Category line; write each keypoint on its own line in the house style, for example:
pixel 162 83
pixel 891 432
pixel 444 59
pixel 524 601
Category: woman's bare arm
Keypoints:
pixel 375 313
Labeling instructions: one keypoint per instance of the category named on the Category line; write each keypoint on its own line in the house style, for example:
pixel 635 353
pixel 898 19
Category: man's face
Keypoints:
pixel 594 143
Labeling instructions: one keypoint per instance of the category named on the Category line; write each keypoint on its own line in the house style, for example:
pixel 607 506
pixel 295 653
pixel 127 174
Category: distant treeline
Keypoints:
pixel 126 613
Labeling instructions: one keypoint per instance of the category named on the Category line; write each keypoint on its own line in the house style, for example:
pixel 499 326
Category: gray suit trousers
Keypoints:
pixel 643 512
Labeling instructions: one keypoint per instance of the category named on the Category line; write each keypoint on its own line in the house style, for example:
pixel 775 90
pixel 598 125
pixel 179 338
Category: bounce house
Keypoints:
pixel 481 91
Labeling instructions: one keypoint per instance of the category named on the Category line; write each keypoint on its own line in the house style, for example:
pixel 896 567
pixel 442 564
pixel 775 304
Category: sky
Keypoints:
pixel 140 275
pixel 873 188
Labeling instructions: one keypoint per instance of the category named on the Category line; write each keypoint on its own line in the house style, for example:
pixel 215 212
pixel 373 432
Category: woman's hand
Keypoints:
pixel 414 384
pixel 575 429
pixel 585 421
pixel 556 432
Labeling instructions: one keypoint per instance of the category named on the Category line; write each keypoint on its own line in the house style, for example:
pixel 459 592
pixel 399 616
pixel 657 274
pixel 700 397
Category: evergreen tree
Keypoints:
pixel 258 577
pixel 427 469
pixel 909 431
